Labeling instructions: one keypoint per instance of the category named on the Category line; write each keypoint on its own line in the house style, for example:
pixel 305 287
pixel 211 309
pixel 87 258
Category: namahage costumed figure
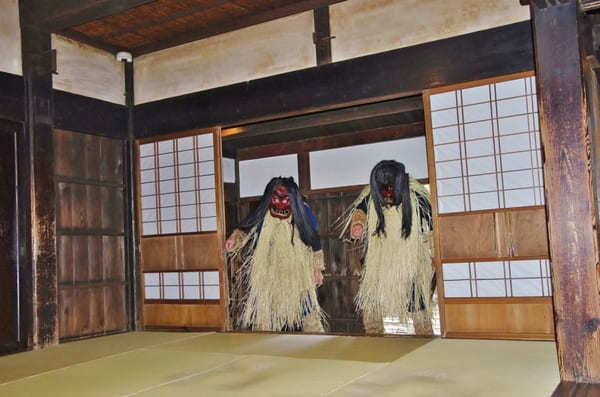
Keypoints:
pixel 279 248
pixel 392 218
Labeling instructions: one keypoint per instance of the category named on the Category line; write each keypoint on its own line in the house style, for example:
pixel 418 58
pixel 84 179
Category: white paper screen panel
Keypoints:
pixel 497 279
pixel 177 186
pixel 182 286
pixel 255 174
pixel 352 165
pixel 228 170
pixel 487 147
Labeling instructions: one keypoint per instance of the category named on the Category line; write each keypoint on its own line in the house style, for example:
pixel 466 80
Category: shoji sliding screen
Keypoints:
pixel 487 185
pixel 181 228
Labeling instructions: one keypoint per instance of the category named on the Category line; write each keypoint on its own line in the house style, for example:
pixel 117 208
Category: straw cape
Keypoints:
pixel 277 271
pixel 397 272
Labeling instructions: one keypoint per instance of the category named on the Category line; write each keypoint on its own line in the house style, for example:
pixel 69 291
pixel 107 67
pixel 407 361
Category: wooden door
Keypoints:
pixel 182 224
pixel 9 312
pixel 490 235
pixel 90 235
pixel 343 265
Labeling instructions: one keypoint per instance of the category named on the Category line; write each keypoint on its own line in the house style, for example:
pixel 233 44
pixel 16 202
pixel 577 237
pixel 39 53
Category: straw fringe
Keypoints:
pixel 278 277
pixel 396 268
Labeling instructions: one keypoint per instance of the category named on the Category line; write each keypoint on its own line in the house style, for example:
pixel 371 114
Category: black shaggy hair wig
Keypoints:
pixel 390 172
pixel 300 218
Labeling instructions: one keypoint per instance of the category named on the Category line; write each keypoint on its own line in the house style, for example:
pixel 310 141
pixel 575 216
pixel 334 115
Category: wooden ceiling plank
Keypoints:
pixel 234 24
pixel 166 18
pixel 55 16
pixel 326 118
pixel 82 38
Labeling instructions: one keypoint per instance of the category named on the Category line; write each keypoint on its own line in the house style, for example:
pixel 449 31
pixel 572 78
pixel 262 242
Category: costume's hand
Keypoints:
pixel 357 231
pixel 318 277
pixel 230 244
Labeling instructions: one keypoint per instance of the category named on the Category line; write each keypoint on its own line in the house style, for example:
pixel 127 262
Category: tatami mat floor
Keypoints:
pixel 219 364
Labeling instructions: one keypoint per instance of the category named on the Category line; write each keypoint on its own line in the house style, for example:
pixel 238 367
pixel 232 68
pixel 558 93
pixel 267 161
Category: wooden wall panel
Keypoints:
pixel 199 251
pixel 158 253
pixel 111 209
pixel 65 259
pixel 529 235
pixel 468 236
pixel 115 313
pixel 90 229
pixel 180 252
pixel 80 258
pixel 526 318
pixel 113 254
pixel 65 312
pixel 181 315
pixel 506 233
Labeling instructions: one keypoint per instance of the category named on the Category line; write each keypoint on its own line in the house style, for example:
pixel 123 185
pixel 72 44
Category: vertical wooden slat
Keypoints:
pixel 568 192
pixel 437 262
pixel 8 234
pixel 304 172
pixel 220 212
pixel 322 35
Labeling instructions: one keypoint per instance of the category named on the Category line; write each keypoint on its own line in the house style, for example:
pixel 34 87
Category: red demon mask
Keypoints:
pixel 387 192
pixel 280 203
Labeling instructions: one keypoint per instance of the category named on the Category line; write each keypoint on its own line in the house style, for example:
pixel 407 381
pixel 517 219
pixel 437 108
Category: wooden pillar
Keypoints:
pixel 571 221
pixel 37 178
pixel 322 35
pixel 304 172
pixel 134 274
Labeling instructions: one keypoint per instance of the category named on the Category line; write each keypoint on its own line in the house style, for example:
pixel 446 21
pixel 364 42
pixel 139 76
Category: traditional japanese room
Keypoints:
pixel 141 139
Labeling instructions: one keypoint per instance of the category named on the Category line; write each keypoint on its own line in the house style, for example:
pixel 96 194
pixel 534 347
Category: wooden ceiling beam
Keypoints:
pixel 234 24
pixel 335 141
pixel 352 113
pixel 55 16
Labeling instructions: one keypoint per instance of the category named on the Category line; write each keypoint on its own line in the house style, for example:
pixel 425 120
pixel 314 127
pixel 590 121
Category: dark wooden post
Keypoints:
pixel 570 207
pixel 134 275
pixel 37 163
pixel 322 35
pixel 304 172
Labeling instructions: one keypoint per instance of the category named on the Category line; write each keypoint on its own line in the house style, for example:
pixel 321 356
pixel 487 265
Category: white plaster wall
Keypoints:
pixel 10 37
pixel 88 71
pixel 363 27
pixel 274 47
